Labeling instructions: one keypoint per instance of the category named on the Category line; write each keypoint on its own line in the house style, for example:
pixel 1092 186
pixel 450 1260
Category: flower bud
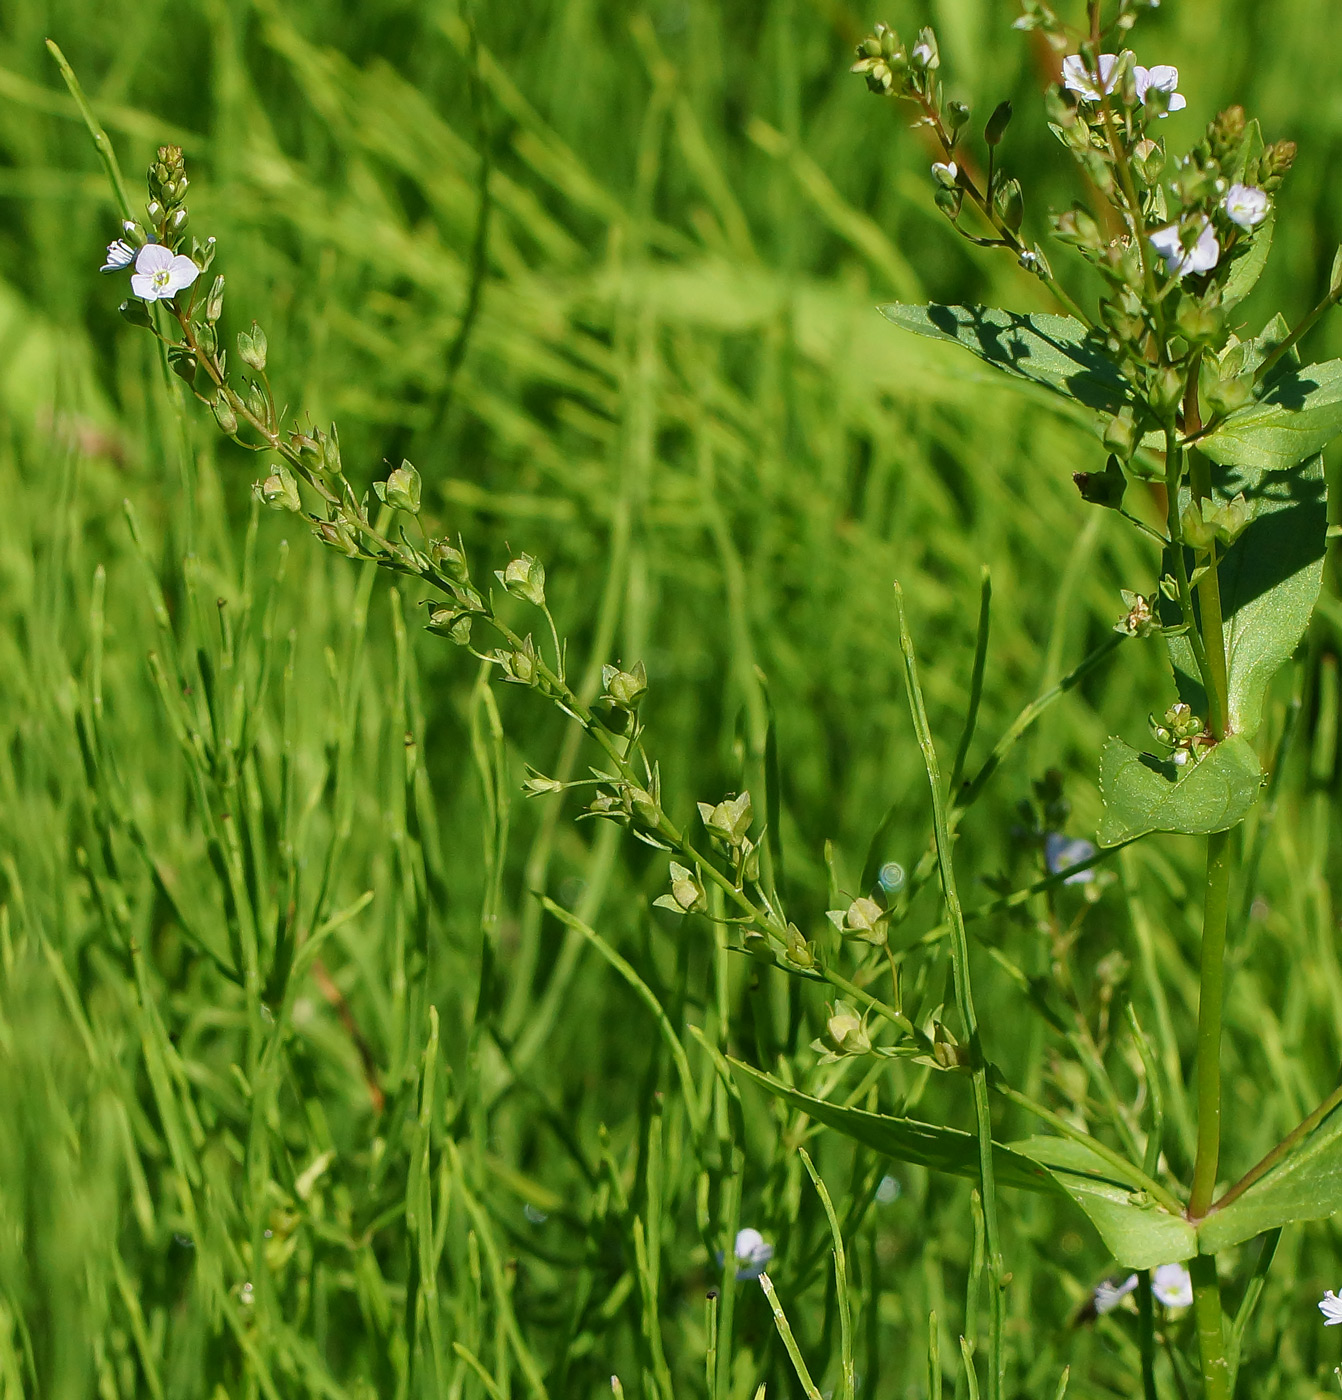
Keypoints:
pixel 401 490
pixel 625 689
pixel 338 535
pixel 729 820
pixel 1199 324
pixel 997 124
pixel 957 114
pixel 687 894
pixel 1120 436
pixel 252 347
pixel 538 785
pixel 846 1032
pixel 521 664
pixel 214 303
pixel 864 919
pixel 524 578
pixel 452 623
pixel 945 173
pixel 450 559
pixel 1276 160
pixel 1226 133
pixel 1165 391
pixel 1077 226
pixel 1011 204
pixel 224 416
pixel 799 951
pixel 279 490
pixel 1196 523
pixel 177 223
pixel 949 202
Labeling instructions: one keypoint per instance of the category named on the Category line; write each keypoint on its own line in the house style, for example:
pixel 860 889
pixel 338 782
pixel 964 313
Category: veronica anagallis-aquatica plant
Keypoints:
pixel 1224 426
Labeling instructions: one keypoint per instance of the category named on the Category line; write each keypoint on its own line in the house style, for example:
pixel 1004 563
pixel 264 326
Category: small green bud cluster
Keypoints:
pixel 166 207
pixel 912 75
pixel 1140 618
pixel 1182 731
pixel 1208 522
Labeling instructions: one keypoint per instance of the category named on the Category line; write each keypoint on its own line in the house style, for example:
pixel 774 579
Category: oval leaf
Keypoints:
pixel 1299 416
pixel 1143 794
pixel 1054 351
pixel 1139 1233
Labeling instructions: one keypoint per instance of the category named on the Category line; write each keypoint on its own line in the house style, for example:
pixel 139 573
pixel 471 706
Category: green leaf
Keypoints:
pixel 1270 580
pixel 1054 351
pixel 941 1149
pixel 1306 1185
pixel 1300 414
pixel 1138 1232
pixel 1248 266
pixel 1143 794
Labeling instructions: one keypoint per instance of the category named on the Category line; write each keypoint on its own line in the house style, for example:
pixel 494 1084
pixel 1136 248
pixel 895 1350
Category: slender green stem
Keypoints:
pixel 1211 1332
pixel 1265 1164
pixel 1209 586
pixel 1146 1332
pixel 964 997
pixel 1124 1170
pixel 1211 988
pixel 1174 470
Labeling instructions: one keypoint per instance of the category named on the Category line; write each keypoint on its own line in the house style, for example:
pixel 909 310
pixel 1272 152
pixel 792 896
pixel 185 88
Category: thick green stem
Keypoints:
pixel 1214 915
pixel 1211 1333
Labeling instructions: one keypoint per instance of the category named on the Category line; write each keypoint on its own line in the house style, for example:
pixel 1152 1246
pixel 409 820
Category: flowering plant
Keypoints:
pixel 1221 428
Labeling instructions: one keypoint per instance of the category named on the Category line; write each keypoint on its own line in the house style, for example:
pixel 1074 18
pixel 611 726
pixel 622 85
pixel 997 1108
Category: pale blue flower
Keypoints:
pixel 1062 852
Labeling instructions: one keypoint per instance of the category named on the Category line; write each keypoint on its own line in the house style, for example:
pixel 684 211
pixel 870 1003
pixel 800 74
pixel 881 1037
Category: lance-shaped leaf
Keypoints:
pixel 1300 414
pixel 1305 1185
pixel 1136 1230
pixel 1143 794
pixel 1056 352
pixel 1270 579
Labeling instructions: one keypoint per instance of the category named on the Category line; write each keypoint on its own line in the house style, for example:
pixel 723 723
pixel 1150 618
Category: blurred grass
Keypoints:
pixel 651 359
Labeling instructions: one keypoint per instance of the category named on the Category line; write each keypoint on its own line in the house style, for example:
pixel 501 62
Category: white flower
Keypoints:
pixel 1109 1295
pixel 1164 77
pixel 119 254
pixel 752 1253
pixel 945 173
pixel 1172 1285
pixel 161 273
pixel 1062 852
pixel 1093 86
pixel 1183 254
pixel 1076 77
pixel 923 57
pixel 1245 205
pixel 1331 1308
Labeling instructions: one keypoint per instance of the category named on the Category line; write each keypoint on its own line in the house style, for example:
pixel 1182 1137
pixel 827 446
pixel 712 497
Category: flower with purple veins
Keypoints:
pixel 160 273
pixel 119 254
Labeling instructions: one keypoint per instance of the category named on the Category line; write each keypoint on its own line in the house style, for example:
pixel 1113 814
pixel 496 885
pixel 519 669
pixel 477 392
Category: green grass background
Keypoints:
pixel 654 362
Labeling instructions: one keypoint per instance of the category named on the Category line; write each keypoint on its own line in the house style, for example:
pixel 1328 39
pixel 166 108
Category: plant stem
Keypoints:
pixel 1209 586
pixel 1211 1333
pixel 964 997
pixel 1212 978
pixel 1146 1327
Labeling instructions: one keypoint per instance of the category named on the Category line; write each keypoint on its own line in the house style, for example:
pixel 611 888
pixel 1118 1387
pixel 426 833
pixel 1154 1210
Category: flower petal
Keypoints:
pixel 182 272
pixel 144 287
pixel 153 257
